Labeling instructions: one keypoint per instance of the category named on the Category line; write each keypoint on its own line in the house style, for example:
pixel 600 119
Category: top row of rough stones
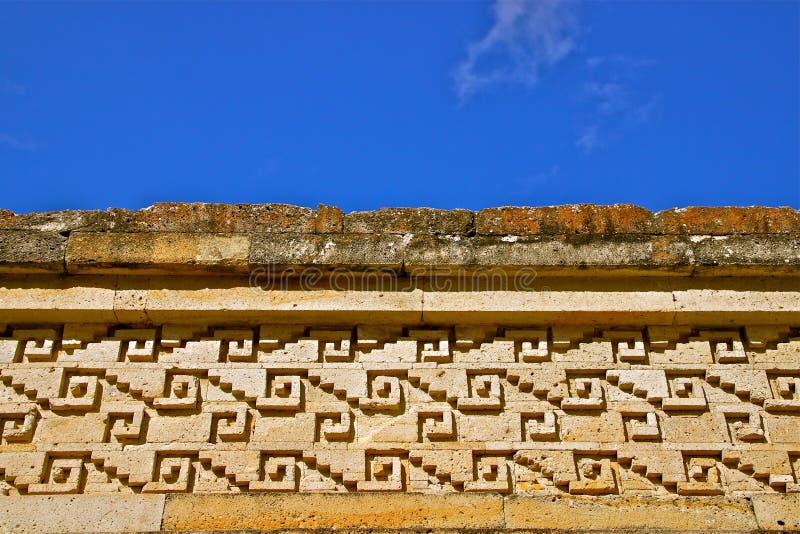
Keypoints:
pixel 576 219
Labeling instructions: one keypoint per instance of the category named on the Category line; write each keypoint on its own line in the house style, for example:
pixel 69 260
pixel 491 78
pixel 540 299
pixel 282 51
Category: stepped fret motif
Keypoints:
pixel 94 408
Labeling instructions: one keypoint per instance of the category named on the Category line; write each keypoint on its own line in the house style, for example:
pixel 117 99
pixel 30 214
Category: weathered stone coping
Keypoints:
pixel 403 512
pixel 570 240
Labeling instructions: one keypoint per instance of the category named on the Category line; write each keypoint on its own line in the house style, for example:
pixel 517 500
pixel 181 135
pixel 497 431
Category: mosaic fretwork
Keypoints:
pixel 88 408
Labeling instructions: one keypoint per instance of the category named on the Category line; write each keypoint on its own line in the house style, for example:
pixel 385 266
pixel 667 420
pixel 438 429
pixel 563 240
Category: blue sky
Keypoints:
pixel 364 105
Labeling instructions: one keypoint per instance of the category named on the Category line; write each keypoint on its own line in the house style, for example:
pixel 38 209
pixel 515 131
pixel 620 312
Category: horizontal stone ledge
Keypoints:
pixel 636 513
pixel 382 511
pixel 393 512
pixel 32 252
pixel 568 219
pixel 284 254
pixel 44 514
pixel 91 253
pixel 559 300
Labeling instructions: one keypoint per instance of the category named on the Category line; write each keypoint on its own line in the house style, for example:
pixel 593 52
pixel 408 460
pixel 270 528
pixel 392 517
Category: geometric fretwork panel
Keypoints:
pixel 89 408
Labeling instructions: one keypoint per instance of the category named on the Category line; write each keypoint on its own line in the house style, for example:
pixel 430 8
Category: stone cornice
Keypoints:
pixel 574 240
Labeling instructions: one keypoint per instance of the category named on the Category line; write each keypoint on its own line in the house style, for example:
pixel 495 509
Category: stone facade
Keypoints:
pixel 215 367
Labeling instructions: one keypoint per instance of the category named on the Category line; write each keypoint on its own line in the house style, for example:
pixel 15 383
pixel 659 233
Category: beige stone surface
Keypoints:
pixel 36 299
pixel 777 512
pixel 384 511
pixel 637 513
pixel 153 252
pixel 84 513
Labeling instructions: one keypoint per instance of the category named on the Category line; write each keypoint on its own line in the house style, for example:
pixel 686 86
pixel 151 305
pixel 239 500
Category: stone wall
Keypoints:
pixel 216 367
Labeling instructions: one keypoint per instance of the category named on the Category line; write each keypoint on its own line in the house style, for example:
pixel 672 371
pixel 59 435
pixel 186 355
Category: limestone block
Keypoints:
pixel 179 429
pixel 8 350
pixel 629 512
pixel 138 344
pixel 641 425
pixel 436 422
pixel 78 429
pixel 346 383
pixel 142 383
pixel 749 385
pixel 485 393
pixel 785 393
pixel 705 427
pixel 79 392
pixel 540 426
pixel 243 383
pixel 348 466
pixel 770 467
pixel 334 345
pixel 542 469
pixel 594 351
pixel 310 511
pixel 240 467
pixel 404 350
pixel 182 392
pixel 782 428
pixel 585 393
pixel 382 428
pixel 545 383
pixel 434 469
pixel 102 351
pixel 384 473
pixel 785 352
pixel 703 476
pixel 432 345
pixel 440 383
pixel 126 420
pixel 89 513
pixel 230 421
pixel 628 345
pixel 32 299
pixel 173 474
pixel 39 384
pixel 203 351
pixel 17 422
pixel 237 344
pixel 745 424
pixel 488 428
pixel 649 385
pixel 134 466
pixel 78 335
pixel 687 393
pixel 491 473
pixel 278 473
pixel 162 252
pixel 596 476
pixel 531 345
pixel 284 393
pixel 777 512
pixel 603 427
pixel 285 428
pixel 661 466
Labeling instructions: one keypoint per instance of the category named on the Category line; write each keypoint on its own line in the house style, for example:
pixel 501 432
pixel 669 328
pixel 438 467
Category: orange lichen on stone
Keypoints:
pixel 725 220
pixel 566 220
pixel 329 220
pixel 217 218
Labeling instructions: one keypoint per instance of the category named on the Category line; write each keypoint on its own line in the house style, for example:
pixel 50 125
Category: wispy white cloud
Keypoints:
pixel 615 98
pixel 525 36
pixel 588 139
pixel 619 61
pixel 15 143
